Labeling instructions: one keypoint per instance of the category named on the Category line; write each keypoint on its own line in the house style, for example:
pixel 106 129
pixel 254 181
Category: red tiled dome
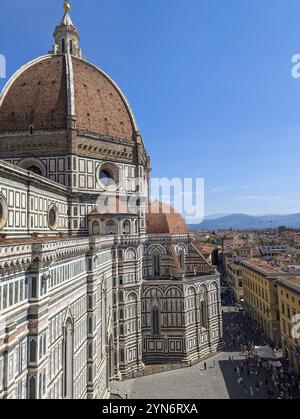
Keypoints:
pixel 40 94
pixel 163 219
pixel 36 95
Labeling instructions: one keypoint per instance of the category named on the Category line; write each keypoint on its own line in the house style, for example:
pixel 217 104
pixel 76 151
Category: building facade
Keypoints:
pixel 261 298
pixel 234 274
pixel 289 307
pixel 95 281
pixel 260 280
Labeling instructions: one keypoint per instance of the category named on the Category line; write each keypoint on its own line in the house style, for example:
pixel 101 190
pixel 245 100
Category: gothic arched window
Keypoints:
pixel 204 314
pixel 90 326
pixel 32 350
pixel 156 266
pixel 181 260
pixel 122 355
pixel 136 227
pixel 155 321
pixel 90 350
pixel 32 393
pixel 63 45
pixel 68 360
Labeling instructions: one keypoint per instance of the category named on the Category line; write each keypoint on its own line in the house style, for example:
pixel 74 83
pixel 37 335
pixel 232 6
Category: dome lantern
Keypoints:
pixel 66 36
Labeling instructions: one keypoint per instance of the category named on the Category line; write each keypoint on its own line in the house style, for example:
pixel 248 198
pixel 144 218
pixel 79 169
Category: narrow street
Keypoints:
pixel 255 379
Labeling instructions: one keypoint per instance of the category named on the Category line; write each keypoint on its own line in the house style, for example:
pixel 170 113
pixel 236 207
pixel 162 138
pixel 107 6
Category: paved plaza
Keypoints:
pixel 186 383
pixel 218 381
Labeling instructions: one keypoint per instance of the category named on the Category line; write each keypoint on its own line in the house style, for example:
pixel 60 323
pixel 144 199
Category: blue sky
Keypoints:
pixel 209 81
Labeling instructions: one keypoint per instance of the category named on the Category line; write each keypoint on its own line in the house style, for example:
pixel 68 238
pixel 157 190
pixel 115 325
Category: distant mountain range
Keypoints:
pixel 247 222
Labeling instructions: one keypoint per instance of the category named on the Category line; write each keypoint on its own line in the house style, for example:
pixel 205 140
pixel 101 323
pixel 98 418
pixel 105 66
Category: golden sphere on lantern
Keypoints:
pixel 67 6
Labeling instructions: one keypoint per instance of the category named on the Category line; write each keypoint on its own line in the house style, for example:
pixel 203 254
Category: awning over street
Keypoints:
pixel 275 364
pixel 265 353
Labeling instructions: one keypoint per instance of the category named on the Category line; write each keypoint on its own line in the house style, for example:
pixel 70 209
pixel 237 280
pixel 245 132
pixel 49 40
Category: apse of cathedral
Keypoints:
pixel 96 282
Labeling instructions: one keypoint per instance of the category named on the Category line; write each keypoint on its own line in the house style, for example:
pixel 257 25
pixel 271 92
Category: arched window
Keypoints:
pixel 122 355
pixel 32 393
pixel 90 350
pixel 41 347
pixel 90 377
pixel 44 344
pixel 71 46
pixel 90 328
pixel 111 227
pixel 156 265
pixel 68 360
pixel 155 321
pixel 126 227
pixel 63 45
pixel 181 260
pixel 36 170
pixel 136 227
pixel 32 350
pixel 204 314
pixel 95 228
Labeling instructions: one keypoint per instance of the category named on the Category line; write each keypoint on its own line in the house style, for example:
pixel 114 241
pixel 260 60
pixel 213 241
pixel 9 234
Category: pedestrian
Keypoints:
pixel 205 366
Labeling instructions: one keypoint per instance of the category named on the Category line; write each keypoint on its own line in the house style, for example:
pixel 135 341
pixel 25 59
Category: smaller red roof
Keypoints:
pixel 163 219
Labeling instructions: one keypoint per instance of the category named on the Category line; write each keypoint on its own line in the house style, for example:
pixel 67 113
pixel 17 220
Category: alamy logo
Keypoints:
pixel 296 327
pixel 296 66
pixel 2 67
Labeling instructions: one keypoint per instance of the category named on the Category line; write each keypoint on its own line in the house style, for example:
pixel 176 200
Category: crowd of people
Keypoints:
pixel 257 378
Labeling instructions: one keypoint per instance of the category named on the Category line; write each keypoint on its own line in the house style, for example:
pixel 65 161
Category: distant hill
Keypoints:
pixel 248 222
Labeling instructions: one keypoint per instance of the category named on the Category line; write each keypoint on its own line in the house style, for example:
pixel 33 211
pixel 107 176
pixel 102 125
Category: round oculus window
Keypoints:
pixel 3 211
pixel 53 218
pixel 108 176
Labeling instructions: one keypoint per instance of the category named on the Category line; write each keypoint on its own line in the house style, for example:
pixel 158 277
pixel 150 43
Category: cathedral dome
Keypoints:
pixel 163 219
pixel 48 91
